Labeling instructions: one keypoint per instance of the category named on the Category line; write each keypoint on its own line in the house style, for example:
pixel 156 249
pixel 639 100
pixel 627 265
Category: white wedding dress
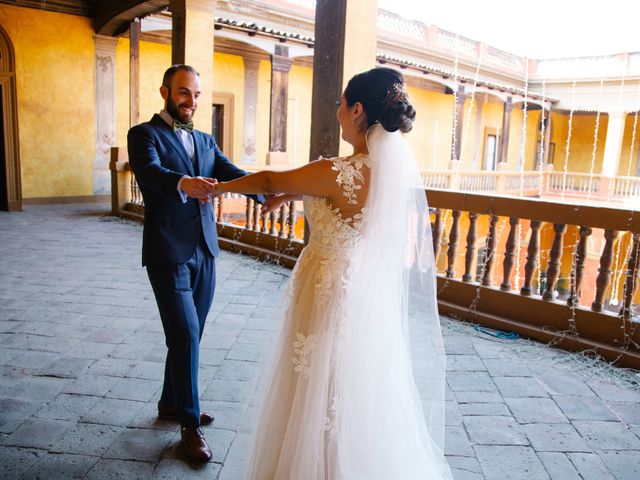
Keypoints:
pixel 340 399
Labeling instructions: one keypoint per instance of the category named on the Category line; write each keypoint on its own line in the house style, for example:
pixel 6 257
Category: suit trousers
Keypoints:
pixel 184 293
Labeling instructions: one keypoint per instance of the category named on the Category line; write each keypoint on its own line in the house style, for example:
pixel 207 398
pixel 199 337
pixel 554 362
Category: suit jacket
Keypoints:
pixel 158 159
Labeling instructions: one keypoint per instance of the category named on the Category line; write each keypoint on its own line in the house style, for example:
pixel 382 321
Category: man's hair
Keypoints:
pixel 171 71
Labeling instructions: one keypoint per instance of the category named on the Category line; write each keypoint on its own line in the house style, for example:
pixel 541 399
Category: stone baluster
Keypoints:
pixel 631 278
pixel 470 256
pixel 292 220
pixel 581 256
pixel 220 200
pixel 491 252
pixel 533 253
pixel 436 233
pixel 453 243
pixel 604 272
pixel 509 254
pixel 553 268
pixel 273 219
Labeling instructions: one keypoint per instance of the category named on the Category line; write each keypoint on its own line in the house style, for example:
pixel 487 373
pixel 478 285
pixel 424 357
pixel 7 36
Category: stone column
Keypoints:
pixel 192 44
pixel 503 141
pixel 613 144
pixel 345 45
pixel 547 136
pixel 134 73
pixel 280 67
pixel 105 91
pixel 250 122
pixel 456 136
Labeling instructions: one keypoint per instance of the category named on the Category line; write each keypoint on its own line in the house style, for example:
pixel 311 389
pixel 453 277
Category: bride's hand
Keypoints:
pixel 272 203
pixel 213 187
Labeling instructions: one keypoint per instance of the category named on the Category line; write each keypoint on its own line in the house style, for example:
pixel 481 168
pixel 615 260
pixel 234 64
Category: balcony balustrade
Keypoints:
pixel 564 273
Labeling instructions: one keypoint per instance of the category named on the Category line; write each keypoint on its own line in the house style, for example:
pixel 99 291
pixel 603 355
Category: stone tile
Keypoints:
pixel 15 461
pixel 584 408
pixel 519 387
pixel 260 337
pixel 229 415
pixel 66 368
pixel 458 345
pixel 212 356
pixel 107 469
pixel 558 466
pixel 510 463
pixel 90 384
pixel 623 465
pixel 245 351
pixel 484 409
pixel 67 407
pixel 147 417
pixel 174 468
pixel 452 414
pixel 478 397
pixel 470 382
pixel 629 411
pixel 236 370
pixel 564 384
pixel 494 431
pixel 139 444
pixel 465 468
pixel 465 363
pixel 535 410
pixel 35 360
pixel 112 411
pixel 590 466
pixel 60 466
pixel 607 435
pixel 133 351
pixel 614 393
pixel 555 438
pixel 498 367
pixel 134 389
pixel 228 391
pixel 114 367
pixel 87 439
pixel 40 433
pixel 13 412
pixel 43 389
pixel 147 370
pixel 457 442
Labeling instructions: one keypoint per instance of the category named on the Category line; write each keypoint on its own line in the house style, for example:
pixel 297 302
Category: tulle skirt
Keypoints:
pixel 338 403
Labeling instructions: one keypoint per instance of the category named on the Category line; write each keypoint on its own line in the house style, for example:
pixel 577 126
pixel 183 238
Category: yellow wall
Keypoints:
pixel 430 138
pixel 55 88
pixel 228 77
pixel 581 144
pixel 628 163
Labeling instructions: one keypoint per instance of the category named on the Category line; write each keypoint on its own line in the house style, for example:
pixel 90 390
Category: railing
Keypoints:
pixel 561 273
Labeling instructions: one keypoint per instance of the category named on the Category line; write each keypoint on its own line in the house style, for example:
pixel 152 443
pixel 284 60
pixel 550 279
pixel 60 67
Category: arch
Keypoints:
pixel 11 186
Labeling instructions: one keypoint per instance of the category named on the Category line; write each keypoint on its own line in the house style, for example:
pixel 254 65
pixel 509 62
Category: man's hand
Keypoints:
pixel 198 187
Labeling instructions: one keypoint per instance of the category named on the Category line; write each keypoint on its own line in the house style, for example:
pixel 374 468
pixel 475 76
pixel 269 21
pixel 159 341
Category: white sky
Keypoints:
pixel 535 28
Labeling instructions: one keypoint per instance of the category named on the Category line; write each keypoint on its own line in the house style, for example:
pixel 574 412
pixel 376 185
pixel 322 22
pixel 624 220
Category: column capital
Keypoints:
pixel 202 5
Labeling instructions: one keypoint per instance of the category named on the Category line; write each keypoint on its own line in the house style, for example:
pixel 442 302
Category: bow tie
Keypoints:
pixel 177 125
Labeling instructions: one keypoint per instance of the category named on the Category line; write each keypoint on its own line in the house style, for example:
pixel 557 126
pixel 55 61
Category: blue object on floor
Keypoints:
pixel 497 333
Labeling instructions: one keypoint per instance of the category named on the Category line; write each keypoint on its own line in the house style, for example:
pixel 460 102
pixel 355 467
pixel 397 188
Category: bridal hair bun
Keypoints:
pixel 383 95
pixel 397 112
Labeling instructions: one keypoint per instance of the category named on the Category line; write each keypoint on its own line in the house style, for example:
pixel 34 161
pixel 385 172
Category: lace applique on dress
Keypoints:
pixel 301 347
pixel 348 172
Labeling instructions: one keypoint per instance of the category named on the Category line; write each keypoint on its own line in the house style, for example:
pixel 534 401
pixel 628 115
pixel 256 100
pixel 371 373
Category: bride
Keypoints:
pixel 355 389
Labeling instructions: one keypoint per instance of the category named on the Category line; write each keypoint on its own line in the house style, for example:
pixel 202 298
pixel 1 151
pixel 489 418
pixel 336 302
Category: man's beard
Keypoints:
pixel 172 108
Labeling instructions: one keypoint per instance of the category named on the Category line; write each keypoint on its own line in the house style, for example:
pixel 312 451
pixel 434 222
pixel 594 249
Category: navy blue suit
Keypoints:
pixel 179 246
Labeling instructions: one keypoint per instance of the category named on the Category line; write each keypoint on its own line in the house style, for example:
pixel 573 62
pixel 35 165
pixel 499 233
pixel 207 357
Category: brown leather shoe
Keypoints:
pixel 195 445
pixel 167 412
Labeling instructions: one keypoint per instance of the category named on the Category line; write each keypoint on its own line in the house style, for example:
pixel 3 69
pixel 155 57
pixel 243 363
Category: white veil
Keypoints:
pixel 392 331
pixel 379 373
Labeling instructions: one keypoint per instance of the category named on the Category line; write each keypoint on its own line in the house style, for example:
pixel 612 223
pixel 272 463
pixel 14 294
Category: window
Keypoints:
pixel 217 124
pixel 490 151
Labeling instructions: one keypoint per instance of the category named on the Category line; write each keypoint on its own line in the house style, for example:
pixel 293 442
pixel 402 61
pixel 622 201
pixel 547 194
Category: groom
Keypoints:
pixel 174 165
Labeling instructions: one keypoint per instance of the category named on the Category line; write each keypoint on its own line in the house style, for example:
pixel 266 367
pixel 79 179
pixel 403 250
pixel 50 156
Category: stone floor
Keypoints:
pixel 82 351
